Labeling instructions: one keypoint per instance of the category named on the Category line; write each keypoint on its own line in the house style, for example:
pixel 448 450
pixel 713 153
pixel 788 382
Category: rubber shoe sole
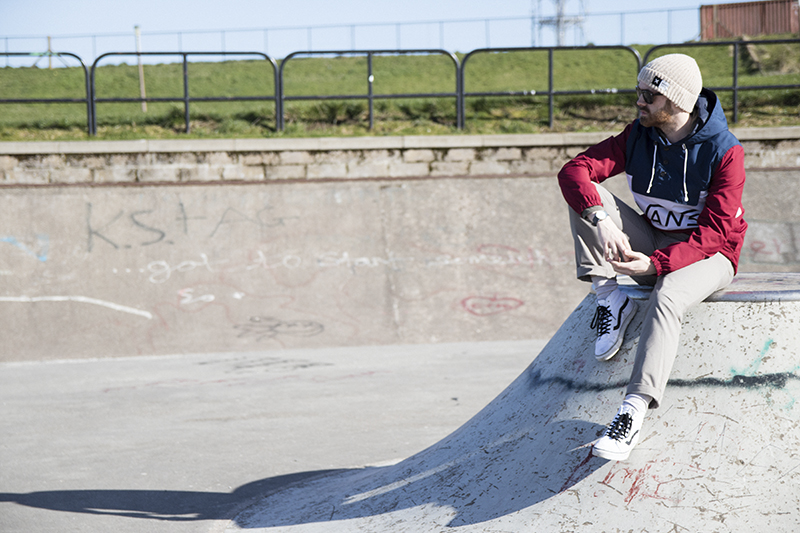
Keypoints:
pixel 617 455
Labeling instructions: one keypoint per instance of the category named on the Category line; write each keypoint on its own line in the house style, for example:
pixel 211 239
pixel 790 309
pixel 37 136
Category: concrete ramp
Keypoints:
pixel 721 454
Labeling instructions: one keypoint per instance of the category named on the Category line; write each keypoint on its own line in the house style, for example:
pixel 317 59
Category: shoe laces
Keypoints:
pixel 602 320
pixel 620 427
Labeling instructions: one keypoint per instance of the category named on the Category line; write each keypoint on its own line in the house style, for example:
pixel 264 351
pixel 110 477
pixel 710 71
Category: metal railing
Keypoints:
pixel 550 93
pixel 87 100
pixel 186 99
pixel 370 96
pixel 459 94
pixel 737 49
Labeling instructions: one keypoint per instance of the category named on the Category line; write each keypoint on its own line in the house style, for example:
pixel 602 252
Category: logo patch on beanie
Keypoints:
pixel 660 83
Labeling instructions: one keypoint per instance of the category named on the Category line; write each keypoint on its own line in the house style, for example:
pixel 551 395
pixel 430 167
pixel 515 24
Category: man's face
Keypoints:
pixel 657 114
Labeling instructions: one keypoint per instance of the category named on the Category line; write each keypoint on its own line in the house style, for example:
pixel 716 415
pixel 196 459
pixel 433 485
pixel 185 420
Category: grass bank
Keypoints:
pixel 573 70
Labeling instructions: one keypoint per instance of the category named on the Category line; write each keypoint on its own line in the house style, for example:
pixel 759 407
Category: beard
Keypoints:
pixel 656 119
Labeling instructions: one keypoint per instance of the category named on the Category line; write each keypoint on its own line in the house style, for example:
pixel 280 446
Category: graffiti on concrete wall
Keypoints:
pixel 490 305
pixel 261 327
pixel 776 243
pixel 37 248
pixel 209 267
pixel 161 271
pixel 123 229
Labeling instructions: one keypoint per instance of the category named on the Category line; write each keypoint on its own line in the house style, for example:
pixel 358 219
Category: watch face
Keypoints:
pixel 600 215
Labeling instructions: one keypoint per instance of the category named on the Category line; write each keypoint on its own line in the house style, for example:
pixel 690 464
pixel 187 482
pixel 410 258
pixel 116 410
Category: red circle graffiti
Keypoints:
pixel 489 305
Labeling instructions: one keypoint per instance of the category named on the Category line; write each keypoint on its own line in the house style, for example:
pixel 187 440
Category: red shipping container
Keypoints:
pixel 728 21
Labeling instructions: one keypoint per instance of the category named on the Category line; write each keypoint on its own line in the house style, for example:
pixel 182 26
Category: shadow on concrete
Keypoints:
pixel 164 505
pixel 487 483
pixel 537 479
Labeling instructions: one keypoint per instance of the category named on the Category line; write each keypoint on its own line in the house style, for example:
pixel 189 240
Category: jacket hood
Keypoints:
pixel 711 119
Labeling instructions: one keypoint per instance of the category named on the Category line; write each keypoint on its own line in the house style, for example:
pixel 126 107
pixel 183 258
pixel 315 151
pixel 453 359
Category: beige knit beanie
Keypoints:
pixel 676 76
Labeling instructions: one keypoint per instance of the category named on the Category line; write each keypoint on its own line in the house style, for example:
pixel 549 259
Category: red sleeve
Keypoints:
pixel 599 162
pixel 720 224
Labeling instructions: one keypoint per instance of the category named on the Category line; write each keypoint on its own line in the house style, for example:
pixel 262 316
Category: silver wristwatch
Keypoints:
pixel 598 216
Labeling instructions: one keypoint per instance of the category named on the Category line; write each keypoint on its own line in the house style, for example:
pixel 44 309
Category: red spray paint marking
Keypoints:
pixel 489 305
pixel 639 478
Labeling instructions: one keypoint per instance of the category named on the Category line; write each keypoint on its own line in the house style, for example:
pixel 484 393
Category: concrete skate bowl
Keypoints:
pixel 722 453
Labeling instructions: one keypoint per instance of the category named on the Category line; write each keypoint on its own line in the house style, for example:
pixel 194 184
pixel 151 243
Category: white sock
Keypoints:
pixel 604 287
pixel 638 402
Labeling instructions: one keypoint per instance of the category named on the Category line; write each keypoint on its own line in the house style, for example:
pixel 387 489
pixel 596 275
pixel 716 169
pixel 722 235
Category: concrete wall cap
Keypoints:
pixel 767 134
pixel 348 143
pixel 191 145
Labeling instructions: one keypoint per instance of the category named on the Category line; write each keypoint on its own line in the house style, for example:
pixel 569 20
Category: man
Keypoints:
pixel 686 172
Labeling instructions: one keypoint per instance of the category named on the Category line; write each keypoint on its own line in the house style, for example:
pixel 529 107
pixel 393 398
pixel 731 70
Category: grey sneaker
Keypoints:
pixel 621 436
pixel 611 321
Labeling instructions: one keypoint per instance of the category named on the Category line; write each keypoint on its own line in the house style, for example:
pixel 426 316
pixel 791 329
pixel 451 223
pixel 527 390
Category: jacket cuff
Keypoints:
pixel 657 264
pixel 587 213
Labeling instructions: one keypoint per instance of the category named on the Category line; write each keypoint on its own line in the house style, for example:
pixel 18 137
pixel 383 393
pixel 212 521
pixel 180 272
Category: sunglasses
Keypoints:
pixel 646 94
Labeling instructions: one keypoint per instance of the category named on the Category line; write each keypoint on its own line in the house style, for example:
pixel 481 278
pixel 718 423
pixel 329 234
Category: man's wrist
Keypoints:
pixel 594 214
pixel 598 216
pixel 587 213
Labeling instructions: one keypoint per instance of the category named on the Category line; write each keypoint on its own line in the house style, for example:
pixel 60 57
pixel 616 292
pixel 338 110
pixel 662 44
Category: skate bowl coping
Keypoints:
pixel 745 287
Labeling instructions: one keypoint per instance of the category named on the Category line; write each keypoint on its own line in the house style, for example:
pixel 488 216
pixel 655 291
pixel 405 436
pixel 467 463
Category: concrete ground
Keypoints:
pixel 182 443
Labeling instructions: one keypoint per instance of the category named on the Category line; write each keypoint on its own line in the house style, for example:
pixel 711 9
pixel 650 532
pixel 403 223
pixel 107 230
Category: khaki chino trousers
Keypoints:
pixel 672 294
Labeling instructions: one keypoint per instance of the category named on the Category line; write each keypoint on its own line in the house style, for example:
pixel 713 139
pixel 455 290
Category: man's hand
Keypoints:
pixel 615 242
pixel 634 264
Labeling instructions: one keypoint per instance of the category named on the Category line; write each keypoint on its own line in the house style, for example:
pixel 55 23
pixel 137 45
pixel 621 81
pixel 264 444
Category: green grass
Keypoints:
pixel 574 70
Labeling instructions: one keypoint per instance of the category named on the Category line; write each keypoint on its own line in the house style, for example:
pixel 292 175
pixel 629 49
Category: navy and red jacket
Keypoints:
pixel 692 186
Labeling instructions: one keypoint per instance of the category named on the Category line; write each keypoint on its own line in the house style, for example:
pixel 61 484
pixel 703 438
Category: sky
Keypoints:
pixel 89 28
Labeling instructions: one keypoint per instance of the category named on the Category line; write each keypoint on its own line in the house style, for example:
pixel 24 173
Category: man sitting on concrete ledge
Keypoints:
pixel 686 172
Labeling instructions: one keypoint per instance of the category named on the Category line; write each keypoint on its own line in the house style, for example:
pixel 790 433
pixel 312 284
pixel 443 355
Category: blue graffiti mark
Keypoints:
pixel 43 242
pixel 754 366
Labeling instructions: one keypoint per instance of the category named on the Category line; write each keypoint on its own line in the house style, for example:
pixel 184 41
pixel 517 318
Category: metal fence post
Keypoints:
pixel 279 102
pixel 93 103
pixel 278 99
pixel 460 96
pixel 89 103
pixel 550 96
pixel 370 80
pixel 186 91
